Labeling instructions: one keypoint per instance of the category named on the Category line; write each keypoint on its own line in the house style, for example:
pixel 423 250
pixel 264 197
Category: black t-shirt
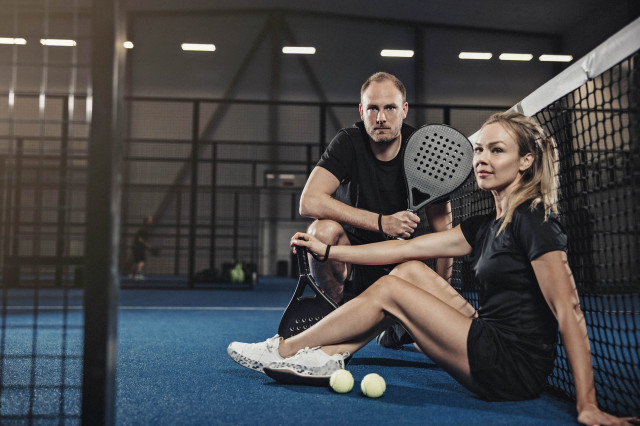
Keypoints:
pixel 509 296
pixel 142 234
pixel 366 182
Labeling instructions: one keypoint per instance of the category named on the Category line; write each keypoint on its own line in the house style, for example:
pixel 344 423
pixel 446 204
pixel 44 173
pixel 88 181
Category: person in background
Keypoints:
pixel 140 247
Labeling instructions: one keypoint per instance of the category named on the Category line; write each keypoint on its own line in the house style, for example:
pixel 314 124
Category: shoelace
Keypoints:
pixel 273 343
pixel 306 350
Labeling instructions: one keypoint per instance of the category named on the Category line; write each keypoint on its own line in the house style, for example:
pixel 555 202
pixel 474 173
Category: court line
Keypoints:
pixel 152 308
pixel 201 308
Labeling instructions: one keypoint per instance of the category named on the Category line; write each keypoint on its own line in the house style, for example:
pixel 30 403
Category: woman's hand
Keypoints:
pixel 592 415
pixel 310 242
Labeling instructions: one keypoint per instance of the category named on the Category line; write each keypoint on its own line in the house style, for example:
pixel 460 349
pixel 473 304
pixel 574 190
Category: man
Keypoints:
pixel 140 247
pixel 357 192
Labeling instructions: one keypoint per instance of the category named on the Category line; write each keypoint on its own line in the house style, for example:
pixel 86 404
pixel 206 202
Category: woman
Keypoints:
pixel 506 349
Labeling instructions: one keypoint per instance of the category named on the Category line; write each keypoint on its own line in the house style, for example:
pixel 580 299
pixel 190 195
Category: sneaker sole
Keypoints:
pixel 291 377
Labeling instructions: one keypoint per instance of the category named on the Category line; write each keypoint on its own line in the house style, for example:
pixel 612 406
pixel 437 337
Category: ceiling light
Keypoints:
pixel 128 45
pixel 299 50
pixel 56 42
pixel 556 58
pixel 10 40
pixel 198 47
pixel 515 56
pixel 475 55
pixel 391 53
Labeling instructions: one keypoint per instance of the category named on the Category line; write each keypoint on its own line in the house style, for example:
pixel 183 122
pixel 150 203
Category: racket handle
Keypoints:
pixel 303 260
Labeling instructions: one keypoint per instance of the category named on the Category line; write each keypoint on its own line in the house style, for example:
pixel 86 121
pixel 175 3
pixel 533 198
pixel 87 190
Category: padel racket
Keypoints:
pixel 437 160
pixel 304 311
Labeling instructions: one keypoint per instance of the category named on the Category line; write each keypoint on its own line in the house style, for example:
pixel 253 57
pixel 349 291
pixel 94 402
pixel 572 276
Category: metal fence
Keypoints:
pixel 222 179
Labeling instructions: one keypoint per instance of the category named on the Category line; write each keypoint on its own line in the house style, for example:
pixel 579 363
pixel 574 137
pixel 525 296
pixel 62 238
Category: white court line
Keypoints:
pixel 156 308
pixel 200 308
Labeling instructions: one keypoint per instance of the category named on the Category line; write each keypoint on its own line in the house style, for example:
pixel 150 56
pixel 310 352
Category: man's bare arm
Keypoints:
pixel 317 202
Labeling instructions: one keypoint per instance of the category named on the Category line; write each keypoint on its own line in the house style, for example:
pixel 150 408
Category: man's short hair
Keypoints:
pixel 381 76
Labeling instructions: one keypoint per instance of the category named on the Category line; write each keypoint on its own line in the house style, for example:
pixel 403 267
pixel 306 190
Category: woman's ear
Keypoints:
pixel 526 161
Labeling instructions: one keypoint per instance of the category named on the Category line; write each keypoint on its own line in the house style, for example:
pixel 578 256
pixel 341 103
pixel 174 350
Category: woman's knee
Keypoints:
pixel 412 271
pixel 384 288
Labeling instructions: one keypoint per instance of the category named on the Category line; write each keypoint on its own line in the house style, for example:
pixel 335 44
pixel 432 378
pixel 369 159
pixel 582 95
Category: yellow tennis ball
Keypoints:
pixel 341 381
pixel 373 385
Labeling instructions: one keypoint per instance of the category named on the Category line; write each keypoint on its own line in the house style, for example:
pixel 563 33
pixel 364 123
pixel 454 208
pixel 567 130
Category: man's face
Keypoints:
pixel 382 110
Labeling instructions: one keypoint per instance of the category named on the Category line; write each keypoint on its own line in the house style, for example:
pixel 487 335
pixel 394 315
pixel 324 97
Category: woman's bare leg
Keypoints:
pixel 439 329
pixel 420 275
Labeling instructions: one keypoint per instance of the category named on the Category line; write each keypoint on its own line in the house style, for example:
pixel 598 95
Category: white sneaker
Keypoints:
pixel 256 355
pixel 307 367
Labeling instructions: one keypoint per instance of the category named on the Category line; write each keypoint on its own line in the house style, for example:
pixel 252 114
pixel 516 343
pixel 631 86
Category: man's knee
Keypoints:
pixel 327 231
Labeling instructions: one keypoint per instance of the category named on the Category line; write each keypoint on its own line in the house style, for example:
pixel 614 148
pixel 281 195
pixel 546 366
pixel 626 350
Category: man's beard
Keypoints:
pixel 384 142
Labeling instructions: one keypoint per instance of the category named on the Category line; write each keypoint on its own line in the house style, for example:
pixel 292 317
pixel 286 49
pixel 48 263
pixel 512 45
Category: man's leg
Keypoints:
pixel 330 275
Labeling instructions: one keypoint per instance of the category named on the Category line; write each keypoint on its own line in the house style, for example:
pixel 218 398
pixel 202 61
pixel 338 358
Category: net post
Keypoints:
pixel 103 217
pixel 193 193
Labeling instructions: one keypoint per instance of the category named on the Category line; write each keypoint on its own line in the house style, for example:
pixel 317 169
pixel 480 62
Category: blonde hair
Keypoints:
pixel 540 180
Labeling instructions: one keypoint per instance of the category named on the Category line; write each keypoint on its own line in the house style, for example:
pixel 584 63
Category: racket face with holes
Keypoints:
pixel 304 311
pixel 437 160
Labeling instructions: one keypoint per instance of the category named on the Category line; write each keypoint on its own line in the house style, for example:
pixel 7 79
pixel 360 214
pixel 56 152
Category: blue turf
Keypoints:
pixel 174 369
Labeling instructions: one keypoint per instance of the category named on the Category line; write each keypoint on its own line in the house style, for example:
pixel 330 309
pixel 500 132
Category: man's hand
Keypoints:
pixel 400 225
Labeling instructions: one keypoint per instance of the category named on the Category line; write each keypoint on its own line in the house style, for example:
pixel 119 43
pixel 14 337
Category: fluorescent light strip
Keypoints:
pixel 10 40
pixel 57 42
pixel 392 53
pixel 475 55
pixel 555 58
pixel 128 45
pixel 515 56
pixel 196 47
pixel 299 50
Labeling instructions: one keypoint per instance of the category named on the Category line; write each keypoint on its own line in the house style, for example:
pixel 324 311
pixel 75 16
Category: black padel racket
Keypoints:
pixel 304 311
pixel 437 160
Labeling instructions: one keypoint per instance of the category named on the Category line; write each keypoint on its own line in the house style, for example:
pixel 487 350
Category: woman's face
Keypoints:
pixel 497 163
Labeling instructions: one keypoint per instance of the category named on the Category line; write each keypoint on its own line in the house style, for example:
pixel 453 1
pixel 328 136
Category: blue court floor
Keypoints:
pixel 173 369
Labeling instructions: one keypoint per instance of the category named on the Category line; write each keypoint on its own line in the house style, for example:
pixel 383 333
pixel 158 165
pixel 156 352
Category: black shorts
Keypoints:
pixel 501 369
pixel 362 276
pixel 139 254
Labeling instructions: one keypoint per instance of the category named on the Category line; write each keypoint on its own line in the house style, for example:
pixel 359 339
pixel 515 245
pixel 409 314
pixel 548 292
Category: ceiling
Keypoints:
pixel 539 16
